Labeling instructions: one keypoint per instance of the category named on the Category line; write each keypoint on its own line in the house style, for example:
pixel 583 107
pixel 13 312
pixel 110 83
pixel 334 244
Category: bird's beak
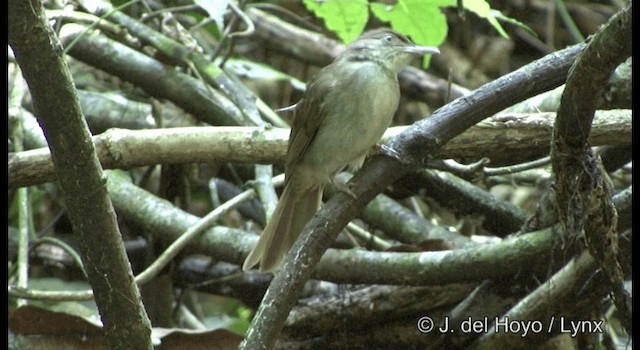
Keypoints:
pixel 422 50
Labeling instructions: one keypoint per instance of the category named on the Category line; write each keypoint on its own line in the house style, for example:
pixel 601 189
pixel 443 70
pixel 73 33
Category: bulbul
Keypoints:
pixel 345 110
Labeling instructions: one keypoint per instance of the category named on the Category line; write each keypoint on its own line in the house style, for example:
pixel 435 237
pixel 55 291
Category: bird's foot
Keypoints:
pixel 346 188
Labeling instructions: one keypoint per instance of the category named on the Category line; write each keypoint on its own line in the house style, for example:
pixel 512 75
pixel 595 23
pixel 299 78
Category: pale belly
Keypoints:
pixel 353 125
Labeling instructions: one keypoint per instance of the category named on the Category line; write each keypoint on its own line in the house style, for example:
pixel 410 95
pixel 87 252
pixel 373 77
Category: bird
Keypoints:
pixel 344 112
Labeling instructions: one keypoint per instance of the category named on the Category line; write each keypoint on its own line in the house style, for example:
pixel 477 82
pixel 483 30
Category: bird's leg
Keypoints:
pixel 346 188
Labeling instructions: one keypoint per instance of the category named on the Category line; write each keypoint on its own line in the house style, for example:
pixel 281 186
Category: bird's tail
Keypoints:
pixel 294 210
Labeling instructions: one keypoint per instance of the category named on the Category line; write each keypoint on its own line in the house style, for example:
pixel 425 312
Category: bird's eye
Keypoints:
pixel 388 38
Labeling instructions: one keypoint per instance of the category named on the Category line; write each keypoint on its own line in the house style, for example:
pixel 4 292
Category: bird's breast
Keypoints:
pixel 360 106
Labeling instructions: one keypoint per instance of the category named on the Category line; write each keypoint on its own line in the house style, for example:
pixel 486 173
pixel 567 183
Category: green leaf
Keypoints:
pixel 347 18
pixel 421 20
pixel 483 10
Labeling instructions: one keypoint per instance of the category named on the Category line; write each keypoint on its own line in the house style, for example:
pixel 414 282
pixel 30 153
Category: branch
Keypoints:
pixel 471 263
pixel 520 135
pixel 212 74
pixel 417 144
pixel 461 197
pixel 548 300
pixel 372 317
pixel 583 189
pixel 153 77
pixel 39 54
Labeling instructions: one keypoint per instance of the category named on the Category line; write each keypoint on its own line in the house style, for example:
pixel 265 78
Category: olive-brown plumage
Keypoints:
pixel 346 109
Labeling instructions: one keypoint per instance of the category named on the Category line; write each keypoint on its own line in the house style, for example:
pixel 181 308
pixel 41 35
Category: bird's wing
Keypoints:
pixel 308 119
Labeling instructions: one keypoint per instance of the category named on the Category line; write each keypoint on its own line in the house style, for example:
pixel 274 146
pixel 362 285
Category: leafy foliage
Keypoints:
pixel 422 20
pixel 346 18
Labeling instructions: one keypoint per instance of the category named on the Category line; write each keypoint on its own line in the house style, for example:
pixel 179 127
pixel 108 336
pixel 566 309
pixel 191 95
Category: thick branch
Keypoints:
pixel 590 74
pixel 415 145
pixel 472 263
pixel 519 135
pixel 39 54
pixel 583 190
pixel 153 77
pixel 211 73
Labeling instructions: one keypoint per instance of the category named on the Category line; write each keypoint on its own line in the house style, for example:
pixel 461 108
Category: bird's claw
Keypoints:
pixel 346 188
